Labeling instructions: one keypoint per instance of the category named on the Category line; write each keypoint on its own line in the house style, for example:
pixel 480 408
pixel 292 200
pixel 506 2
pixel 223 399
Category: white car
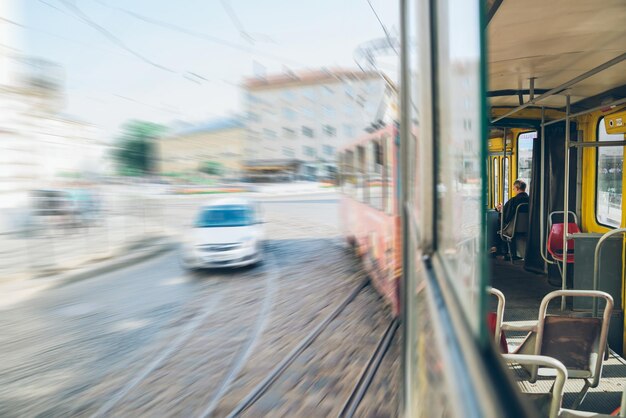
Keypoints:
pixel 226 233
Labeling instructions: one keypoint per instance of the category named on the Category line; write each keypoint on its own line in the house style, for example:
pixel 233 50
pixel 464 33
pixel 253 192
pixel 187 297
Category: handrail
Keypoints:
pixel 545 361
pixel 499 313
pixel 596 262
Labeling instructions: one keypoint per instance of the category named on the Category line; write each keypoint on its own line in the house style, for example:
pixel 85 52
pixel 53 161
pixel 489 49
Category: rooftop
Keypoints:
pixel 309 77
pixel 213 125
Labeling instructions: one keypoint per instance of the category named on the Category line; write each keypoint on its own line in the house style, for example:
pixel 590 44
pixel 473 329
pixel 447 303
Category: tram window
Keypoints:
pixel 505 174
pixel 496 182
pixel 525 143
pixel 388 177
pixel 349 181
pixel 610 164
pixel 360 171
pixel 375 175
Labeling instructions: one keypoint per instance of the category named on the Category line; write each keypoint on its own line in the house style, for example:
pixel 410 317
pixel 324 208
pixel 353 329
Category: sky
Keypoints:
pixel 163 60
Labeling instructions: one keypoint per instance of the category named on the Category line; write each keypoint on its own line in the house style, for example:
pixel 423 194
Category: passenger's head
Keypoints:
pixel 519 186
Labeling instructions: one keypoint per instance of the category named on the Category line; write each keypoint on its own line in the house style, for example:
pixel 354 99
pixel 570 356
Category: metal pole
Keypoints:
pixel 406 302
pixel 593 109
pixel 542 191
pixel 501 168
pixel 565 200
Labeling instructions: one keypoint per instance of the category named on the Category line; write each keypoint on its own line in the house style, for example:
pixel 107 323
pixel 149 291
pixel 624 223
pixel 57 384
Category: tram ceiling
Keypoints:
pixel 568 38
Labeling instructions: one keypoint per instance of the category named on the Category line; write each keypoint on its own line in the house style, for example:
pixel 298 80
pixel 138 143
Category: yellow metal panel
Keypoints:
pixel 615 123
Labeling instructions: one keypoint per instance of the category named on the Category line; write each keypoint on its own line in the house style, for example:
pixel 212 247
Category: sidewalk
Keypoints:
pixel 21 288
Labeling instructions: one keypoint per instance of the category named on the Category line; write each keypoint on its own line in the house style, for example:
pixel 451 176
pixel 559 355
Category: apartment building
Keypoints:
pixel 307 116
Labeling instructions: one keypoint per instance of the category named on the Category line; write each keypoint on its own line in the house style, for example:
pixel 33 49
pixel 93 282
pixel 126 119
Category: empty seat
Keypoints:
pixel 555 241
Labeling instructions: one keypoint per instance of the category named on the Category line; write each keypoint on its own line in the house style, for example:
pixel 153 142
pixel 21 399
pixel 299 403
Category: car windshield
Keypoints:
pixel 221 216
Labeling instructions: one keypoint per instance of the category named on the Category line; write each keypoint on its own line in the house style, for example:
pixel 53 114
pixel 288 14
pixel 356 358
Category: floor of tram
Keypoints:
pixel 524 291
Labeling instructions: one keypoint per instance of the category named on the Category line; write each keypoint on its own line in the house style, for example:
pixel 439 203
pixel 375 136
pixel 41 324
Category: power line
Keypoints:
pixel 382 25
pixel 200 35
pixel 110 36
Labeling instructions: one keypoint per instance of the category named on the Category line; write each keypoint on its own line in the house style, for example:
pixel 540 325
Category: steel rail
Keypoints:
pixel 258 391
pixel 369 371
pixel 564 86
pixel 566 235
pixel 584 112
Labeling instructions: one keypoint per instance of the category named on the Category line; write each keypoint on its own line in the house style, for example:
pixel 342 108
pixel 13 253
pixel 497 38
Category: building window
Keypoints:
pixel 329 130
pixel 288 152
pixel 309 93
pixel 289 133
pixel 348 131
pixel 252 98
pixel 308 112
pixel 349 109
pixel 329 150
pixel 308 151
pixel 349 90
pixel 306 131
pixel 253 117
pixel 525 157
pixel 269 134
pixel 288 113
pixel 329 112
pixel 328 92
pixel 610 164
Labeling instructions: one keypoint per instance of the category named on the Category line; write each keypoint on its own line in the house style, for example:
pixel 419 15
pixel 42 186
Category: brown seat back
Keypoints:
pixel 571 340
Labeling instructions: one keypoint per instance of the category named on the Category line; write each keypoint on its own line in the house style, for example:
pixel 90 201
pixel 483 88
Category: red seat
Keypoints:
pixel 555 241
pixel 492 319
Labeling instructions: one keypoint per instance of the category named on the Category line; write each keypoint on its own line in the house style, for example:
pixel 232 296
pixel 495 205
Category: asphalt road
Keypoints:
pixel 153 337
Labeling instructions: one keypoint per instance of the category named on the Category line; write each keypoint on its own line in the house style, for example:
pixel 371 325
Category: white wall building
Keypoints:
pixel 306 116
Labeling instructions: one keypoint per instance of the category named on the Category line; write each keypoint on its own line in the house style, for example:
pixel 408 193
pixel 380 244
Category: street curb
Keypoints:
pixel 109 265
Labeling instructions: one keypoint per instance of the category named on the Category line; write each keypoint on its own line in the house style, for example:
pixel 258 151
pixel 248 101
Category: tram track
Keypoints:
pixel 170 353
pixel 354 352
pixel 265 384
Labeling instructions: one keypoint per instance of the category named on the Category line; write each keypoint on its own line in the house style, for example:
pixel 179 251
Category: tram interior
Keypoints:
pixel 558 75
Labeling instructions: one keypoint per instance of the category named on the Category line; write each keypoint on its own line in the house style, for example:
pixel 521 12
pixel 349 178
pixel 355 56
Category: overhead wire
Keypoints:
pixel 110 36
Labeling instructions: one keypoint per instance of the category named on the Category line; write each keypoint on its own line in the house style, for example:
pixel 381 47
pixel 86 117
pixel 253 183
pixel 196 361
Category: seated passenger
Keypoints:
pixel 508 212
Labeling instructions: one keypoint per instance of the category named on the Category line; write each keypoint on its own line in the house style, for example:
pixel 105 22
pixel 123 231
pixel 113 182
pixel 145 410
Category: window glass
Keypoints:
pixel 349 178
pixel 329 130
pixel 308 132
pixel 289 133
pixel 269 134
pixel 388 175
pixel 329 112
pixel 505 170
pixel 329 150
pixel 610 164
pixel 495 178
pixel 375 171
pixel 288 113
pixel 288 152
pixel 361 164
pixel 525 157
pixel 308 151
pixel 459 144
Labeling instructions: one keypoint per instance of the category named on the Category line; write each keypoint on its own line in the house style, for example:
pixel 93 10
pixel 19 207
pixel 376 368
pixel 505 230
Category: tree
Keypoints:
pixel 135 151
pixel 213 168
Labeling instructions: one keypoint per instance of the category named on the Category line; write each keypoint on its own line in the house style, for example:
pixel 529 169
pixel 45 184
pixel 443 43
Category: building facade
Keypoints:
pixel 218 142
pixel 307 116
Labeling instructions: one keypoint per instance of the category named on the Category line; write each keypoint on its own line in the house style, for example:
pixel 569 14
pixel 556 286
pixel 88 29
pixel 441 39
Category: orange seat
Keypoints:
pixel 555 241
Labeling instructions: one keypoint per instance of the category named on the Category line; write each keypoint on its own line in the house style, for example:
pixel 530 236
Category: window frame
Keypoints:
pixel 596 180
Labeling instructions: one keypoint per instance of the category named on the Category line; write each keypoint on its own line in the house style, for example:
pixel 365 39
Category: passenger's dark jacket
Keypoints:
pixel 508 211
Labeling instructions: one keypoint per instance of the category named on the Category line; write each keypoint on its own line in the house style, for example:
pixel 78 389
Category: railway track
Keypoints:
pixel 365 377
